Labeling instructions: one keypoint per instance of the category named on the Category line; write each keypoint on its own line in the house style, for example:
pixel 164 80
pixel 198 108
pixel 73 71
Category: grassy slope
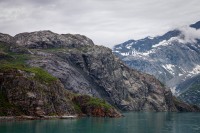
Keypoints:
pixel 10 60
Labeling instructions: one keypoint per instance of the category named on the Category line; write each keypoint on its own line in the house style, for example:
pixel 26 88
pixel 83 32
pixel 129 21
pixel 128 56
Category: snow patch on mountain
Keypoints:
pixel 150 37
pixel 125 54
pixel 167 42
pixel 196 70
pixel 173 89
pixel 169 68
pixel 163 43
pixel 136 53
pixel 118 47
pixel 128 46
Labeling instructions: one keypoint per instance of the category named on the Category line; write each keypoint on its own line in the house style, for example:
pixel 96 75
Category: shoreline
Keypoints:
pixel 25 117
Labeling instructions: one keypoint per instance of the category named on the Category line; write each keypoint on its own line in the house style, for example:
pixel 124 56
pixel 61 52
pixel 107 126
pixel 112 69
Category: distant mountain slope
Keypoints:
pixel 192 91
pixel 173 57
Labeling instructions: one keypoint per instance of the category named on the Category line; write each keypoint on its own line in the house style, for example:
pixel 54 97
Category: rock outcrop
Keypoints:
pixel 6 38
pixel 48 39
pixel 88 69
pixel 95 107
pixel 25 95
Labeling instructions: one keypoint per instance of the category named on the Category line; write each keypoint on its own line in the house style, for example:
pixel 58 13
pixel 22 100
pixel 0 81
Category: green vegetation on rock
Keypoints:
pixel 5 106
pixel 94 107
pixel 96 102
pixel 18 61
pixel 4 47
pixel 26 90
pixel 40 74
pixel 85 100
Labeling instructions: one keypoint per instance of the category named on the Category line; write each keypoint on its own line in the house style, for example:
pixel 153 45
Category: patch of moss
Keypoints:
pixel 8 57
pixel 40 74
pixel 5 106
pixel 4 47
pixel 77 108
pixel 52 114
pixel 83 101
pixel 96 102
pixel 18 62
pixel 18 58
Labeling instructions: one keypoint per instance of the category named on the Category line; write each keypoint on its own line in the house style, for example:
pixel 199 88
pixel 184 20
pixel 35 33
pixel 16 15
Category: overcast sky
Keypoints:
pixel 106 22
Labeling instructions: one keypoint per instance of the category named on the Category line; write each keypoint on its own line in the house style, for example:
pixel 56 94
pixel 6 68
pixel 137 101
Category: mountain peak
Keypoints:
pixel 49 39
pixel 196 25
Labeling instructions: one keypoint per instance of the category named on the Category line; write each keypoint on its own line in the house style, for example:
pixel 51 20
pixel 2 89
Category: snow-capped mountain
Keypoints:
pixel 173 58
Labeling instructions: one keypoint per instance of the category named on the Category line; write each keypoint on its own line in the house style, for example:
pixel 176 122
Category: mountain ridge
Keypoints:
pixel 87 69
pixel 173 58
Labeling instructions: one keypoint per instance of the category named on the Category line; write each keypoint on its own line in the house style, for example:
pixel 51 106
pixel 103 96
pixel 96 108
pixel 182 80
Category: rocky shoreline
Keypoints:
pixel 25 117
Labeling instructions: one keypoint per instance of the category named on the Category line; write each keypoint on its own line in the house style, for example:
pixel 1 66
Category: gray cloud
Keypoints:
pixel 107 22
pixel 190 34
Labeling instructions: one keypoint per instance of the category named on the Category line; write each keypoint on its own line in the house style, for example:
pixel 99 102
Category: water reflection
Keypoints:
pixel 133 122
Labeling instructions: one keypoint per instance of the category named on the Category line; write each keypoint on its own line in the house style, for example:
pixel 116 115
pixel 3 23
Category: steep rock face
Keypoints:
pixel 95 71
pixel 27 96
pixel 31 91
pixel 172 58
pixel 99 73
pixel 126 88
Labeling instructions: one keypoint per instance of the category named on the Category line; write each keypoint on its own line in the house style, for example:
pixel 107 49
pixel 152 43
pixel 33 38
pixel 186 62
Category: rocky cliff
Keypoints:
pixel 85 68
pixel 31 91
pixel 22 94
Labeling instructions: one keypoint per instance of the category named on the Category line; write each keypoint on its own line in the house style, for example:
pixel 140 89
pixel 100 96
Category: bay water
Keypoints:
pixel 132 122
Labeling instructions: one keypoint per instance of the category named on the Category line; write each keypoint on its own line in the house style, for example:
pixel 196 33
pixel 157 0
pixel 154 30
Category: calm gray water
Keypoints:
pixel 132 123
